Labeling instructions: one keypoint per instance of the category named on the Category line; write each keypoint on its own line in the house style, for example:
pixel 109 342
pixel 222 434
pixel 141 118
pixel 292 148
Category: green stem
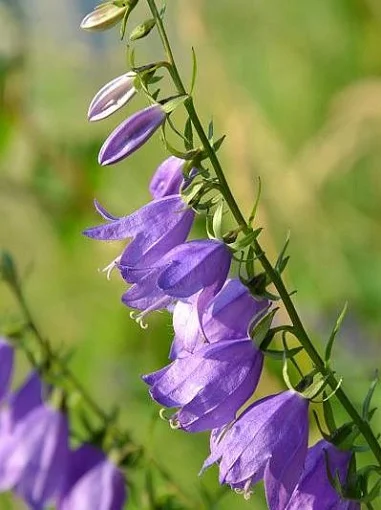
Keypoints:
pixel 274 276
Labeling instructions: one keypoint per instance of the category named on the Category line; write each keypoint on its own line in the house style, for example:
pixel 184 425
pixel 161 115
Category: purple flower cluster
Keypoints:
pixel 36 460
pixel 215 364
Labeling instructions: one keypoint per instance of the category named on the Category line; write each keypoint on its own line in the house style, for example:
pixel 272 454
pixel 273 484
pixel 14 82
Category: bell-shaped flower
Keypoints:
pixel 34 460
pixel 199 266
pixel 210 385
pixel 229 315
pixel 268 440
pixel 25 399
pixel 92 482
pixel 112 96
pixel 131 134
pixel 156 228
pixel 168 178
pixel 314 490
pixel 6 366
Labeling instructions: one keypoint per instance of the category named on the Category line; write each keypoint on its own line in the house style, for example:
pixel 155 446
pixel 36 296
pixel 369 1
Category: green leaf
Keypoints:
pixel 194 71
pixel 366 413
pixel 328 349
pixel 255 207
pixel 218 143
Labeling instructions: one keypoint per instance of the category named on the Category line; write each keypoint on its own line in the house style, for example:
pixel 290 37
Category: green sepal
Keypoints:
pixel 311 385
pixel 217 220
pixel 246 240
pixel 142 30
pixel 280 355
pixel 131 4
pixel 170 105
pixel 328 349
pixel 249 263
pixel 328 415
pixel 259 332
pixel 188 134
pixel 256 203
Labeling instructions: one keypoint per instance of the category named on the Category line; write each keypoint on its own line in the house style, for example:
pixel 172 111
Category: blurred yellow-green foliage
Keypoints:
pixel 295 85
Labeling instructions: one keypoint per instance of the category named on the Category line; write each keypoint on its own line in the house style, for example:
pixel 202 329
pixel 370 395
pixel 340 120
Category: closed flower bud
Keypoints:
pixel 142 30
pixel 131 134
pixel 112 96
pixel 103 17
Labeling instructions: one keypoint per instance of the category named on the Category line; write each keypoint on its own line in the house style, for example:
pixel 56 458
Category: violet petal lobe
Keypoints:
pixel 195 265
pixel 168 178
pixel 131 134
pixel 314 491
pixel 6 366
pixel 231 312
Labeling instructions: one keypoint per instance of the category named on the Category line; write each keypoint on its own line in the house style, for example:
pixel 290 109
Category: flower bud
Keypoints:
pixel 103 17
pixel 142 30
pixel 112 96
pixel 131 134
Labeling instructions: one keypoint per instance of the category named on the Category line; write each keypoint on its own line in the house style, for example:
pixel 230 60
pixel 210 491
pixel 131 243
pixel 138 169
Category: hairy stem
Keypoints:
pixel 274 276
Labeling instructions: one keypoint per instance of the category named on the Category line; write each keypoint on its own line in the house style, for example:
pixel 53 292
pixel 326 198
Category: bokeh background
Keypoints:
pixel 296 86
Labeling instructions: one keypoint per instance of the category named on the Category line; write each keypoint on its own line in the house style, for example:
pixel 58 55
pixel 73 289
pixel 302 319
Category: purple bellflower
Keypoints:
pixel 228 316
pixel 34 459
pixel 314 491
pixel 199 266
pixel 268 440
pixel 210 385
pixel 6 366
pixel 131 134
pixel 112 96
pixel 168 178
pixel 26 398
pixel 156 228
pixel 92 482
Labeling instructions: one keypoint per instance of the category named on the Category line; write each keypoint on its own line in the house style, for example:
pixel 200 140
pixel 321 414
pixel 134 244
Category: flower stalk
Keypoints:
pixel 298 328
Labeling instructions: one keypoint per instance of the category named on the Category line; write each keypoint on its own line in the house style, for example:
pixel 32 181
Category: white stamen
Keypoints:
pixel 109 269
pixel 174 424
pixel 162 414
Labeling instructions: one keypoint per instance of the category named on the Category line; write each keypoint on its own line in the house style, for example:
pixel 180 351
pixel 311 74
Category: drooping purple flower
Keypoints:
pixel 25 399
pixel 112 96
pixel 314 491
pixel 194 266
pixel 269 440
pixel 228 316
pixel 131 134
pixel 92 482
pixel 168 178
pixel 156 228
pixel 199 266
pixel 210 385
pixel 6 366
pixel 33 461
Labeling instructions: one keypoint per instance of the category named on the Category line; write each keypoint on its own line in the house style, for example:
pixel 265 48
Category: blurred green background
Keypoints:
pixel 295 85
